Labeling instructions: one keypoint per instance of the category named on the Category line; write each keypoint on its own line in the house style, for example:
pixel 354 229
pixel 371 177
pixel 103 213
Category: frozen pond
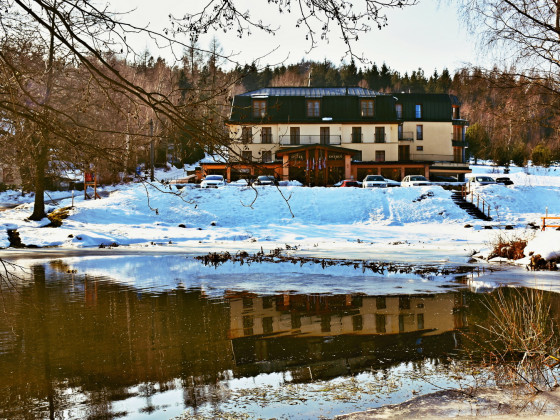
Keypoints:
pixel 159 336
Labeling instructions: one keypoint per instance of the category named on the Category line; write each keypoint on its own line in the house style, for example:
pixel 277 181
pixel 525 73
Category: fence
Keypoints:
pixel 544 225
pixel 465 193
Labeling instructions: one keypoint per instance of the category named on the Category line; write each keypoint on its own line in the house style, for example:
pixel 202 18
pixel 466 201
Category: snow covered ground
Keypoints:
pixel 420 224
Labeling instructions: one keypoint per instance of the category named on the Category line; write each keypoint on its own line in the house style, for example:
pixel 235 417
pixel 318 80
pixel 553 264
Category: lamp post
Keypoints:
pixel 151 150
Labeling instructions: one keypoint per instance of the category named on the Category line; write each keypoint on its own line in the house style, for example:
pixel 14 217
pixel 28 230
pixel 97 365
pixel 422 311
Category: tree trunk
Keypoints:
pixel 40 146
pixel 40 167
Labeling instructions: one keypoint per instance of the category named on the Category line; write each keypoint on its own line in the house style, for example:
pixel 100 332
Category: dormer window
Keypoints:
pixel 313 108
pixel 259 108
pixel 418 111
pixel 398 110
pixel 367 107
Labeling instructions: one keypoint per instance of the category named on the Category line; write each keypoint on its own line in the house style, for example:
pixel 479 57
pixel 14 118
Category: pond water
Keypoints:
pixel 153 337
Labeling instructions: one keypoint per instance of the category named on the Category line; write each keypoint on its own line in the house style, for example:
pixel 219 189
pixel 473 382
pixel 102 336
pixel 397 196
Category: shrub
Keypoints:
pixel 510 248
pixel 522 338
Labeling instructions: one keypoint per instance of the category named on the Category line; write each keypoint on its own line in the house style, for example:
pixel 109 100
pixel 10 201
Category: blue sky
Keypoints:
pixel 429 35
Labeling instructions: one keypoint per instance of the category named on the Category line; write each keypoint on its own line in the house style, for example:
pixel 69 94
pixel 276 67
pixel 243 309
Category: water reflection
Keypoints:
pixel 74 345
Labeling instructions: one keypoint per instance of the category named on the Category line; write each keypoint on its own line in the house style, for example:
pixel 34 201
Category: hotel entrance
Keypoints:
pixel 316 165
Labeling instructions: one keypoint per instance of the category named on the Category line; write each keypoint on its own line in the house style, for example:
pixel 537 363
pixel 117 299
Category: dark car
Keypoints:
pixel 350 184
pixel 265 180
pixel 504 180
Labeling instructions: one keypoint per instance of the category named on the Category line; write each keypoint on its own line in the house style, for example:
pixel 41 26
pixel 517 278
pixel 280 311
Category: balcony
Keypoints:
pixel 287 140
pixel 430 158
pixel 380 138
pixel 406 136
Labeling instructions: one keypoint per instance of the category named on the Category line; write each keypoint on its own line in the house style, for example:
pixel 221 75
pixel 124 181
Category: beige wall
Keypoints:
pixel 437 140
pixel 436 143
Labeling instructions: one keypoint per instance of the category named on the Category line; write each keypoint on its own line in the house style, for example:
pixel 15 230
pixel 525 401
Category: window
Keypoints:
pixel 259 109
pixel 398 110
pixel 294 135
pixel 380 323
pixel 419 132
pixel 367 107
pixel 356 134
pixel 458 154
pixel 325 135
pixel 357 156
pixel 267 156
pixel 418 111
pixel 267 325
pixel 381 302
pixel 380 134
pixel 420 321
pixel 404 302
pixel 357 323
pixel 246 134
pixel 313 108
pixel 455 114
pixel 246 155
pixel 457 133
pixel 380 155
pixel 266 135
pixel 400 132
pixel 419 148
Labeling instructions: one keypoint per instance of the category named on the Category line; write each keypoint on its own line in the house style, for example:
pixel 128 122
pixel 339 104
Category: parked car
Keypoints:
pixel 265 180
pixel 479 180
pixel 374 181
pixel 349 183
pixel 213 181
pixel 504 180
pixel 415 181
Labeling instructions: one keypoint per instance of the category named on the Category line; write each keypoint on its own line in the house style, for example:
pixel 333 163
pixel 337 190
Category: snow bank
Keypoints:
pixel 546 244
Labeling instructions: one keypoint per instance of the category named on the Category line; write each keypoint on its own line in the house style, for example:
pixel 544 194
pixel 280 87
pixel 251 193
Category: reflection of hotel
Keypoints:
pixel 319 316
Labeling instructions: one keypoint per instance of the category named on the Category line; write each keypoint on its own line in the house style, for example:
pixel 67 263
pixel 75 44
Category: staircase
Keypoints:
pixel 470 208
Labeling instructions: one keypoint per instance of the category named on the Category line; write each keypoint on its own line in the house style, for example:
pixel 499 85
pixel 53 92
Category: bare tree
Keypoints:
pixel 320 18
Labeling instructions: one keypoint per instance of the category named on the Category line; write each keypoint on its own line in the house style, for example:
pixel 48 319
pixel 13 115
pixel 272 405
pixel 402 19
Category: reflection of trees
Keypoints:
pixel 103 346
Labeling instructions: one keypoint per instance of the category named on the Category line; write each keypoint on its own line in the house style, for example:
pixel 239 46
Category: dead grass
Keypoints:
pixel 523 343
pixel 511 248
pixel 56 217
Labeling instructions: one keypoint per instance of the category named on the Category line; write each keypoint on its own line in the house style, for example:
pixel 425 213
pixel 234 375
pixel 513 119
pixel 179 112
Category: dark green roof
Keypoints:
pixel 289 105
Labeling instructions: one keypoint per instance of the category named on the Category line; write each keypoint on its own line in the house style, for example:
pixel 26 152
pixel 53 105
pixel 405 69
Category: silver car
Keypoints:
pixel 415 181
pixel 374 181
pixel 476 181
pixel 213 181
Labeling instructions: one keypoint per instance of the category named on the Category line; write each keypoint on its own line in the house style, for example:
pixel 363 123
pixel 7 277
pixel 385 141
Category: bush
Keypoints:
pixel 541 156
pixel 510 248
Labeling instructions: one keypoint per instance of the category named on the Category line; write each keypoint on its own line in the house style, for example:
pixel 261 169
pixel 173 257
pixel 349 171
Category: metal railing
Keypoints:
pixel 465 193
pixel 430 157
pixel 406 136
pixel 380 137
pixel 287 140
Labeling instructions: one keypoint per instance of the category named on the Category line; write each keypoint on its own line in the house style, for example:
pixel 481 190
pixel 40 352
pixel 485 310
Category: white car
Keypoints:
pixel 213 181
pixel 415 181
pixel 374 181
pixel 477 181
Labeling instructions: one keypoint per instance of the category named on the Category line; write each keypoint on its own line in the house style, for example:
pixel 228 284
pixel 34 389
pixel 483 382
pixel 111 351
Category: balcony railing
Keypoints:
pixel 431 158
pixel 380 138
pixel 406 136
pixel 287 140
